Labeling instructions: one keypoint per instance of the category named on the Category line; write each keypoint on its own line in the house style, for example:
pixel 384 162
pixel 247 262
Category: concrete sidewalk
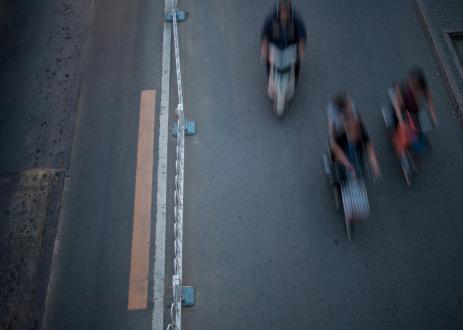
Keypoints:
pixel 443 22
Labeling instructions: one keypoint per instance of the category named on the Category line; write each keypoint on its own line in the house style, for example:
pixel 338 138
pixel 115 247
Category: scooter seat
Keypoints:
pixel 284 69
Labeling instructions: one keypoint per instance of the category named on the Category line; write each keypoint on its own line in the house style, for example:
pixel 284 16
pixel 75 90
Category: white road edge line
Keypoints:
pixel 157 322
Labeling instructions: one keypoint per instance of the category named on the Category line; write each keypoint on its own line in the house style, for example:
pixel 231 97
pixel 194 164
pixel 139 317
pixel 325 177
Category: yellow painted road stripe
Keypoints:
pixel 139 266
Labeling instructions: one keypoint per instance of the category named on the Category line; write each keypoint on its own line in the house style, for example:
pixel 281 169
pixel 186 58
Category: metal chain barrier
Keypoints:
pixel 176 307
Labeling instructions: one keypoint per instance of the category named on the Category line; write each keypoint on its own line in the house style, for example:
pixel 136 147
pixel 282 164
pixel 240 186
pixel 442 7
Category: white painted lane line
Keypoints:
pixel 160 241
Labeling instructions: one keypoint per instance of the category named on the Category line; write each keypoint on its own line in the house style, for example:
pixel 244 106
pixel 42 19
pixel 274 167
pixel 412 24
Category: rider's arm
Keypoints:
pixel 265 37
pixel 373 160
pixel 339 155
pixel 331 129
pixel 301 34
pixel 398 102
pixel 371 153
pixel 264 49
pixel 300 48
pixel 431 108
pixel 331 113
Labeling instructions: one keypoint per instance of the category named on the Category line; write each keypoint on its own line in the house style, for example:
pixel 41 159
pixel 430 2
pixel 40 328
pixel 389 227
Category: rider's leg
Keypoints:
pixel 297 70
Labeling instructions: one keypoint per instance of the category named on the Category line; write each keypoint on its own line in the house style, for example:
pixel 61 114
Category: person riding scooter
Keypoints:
pixel 344 165
pixel 406 100
pixel 349 140
pixel 283 27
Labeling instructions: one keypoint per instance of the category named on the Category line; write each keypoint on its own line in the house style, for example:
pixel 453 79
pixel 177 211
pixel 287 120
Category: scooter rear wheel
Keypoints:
pixel 349 229
pixel 279 106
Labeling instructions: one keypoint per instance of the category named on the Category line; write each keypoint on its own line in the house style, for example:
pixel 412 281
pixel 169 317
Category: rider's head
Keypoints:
pixel 284 11
pixel 417 80
pixel 343 103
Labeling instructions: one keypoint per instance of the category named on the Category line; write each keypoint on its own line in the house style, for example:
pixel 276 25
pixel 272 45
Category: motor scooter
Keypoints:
pixel 282 76
pixel 349 189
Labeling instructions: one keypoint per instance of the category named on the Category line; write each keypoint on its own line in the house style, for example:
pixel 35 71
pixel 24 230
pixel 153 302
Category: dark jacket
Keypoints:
pixel 283 36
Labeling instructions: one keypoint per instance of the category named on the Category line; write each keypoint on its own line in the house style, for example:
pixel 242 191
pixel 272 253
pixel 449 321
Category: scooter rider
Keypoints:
pixel 283 27
pixel 348 136
pixel 409 94
pixel 407 98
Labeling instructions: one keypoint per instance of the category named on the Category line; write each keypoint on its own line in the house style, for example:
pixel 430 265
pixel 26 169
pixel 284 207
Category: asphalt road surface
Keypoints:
pixel 263 244
pixel 90 276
